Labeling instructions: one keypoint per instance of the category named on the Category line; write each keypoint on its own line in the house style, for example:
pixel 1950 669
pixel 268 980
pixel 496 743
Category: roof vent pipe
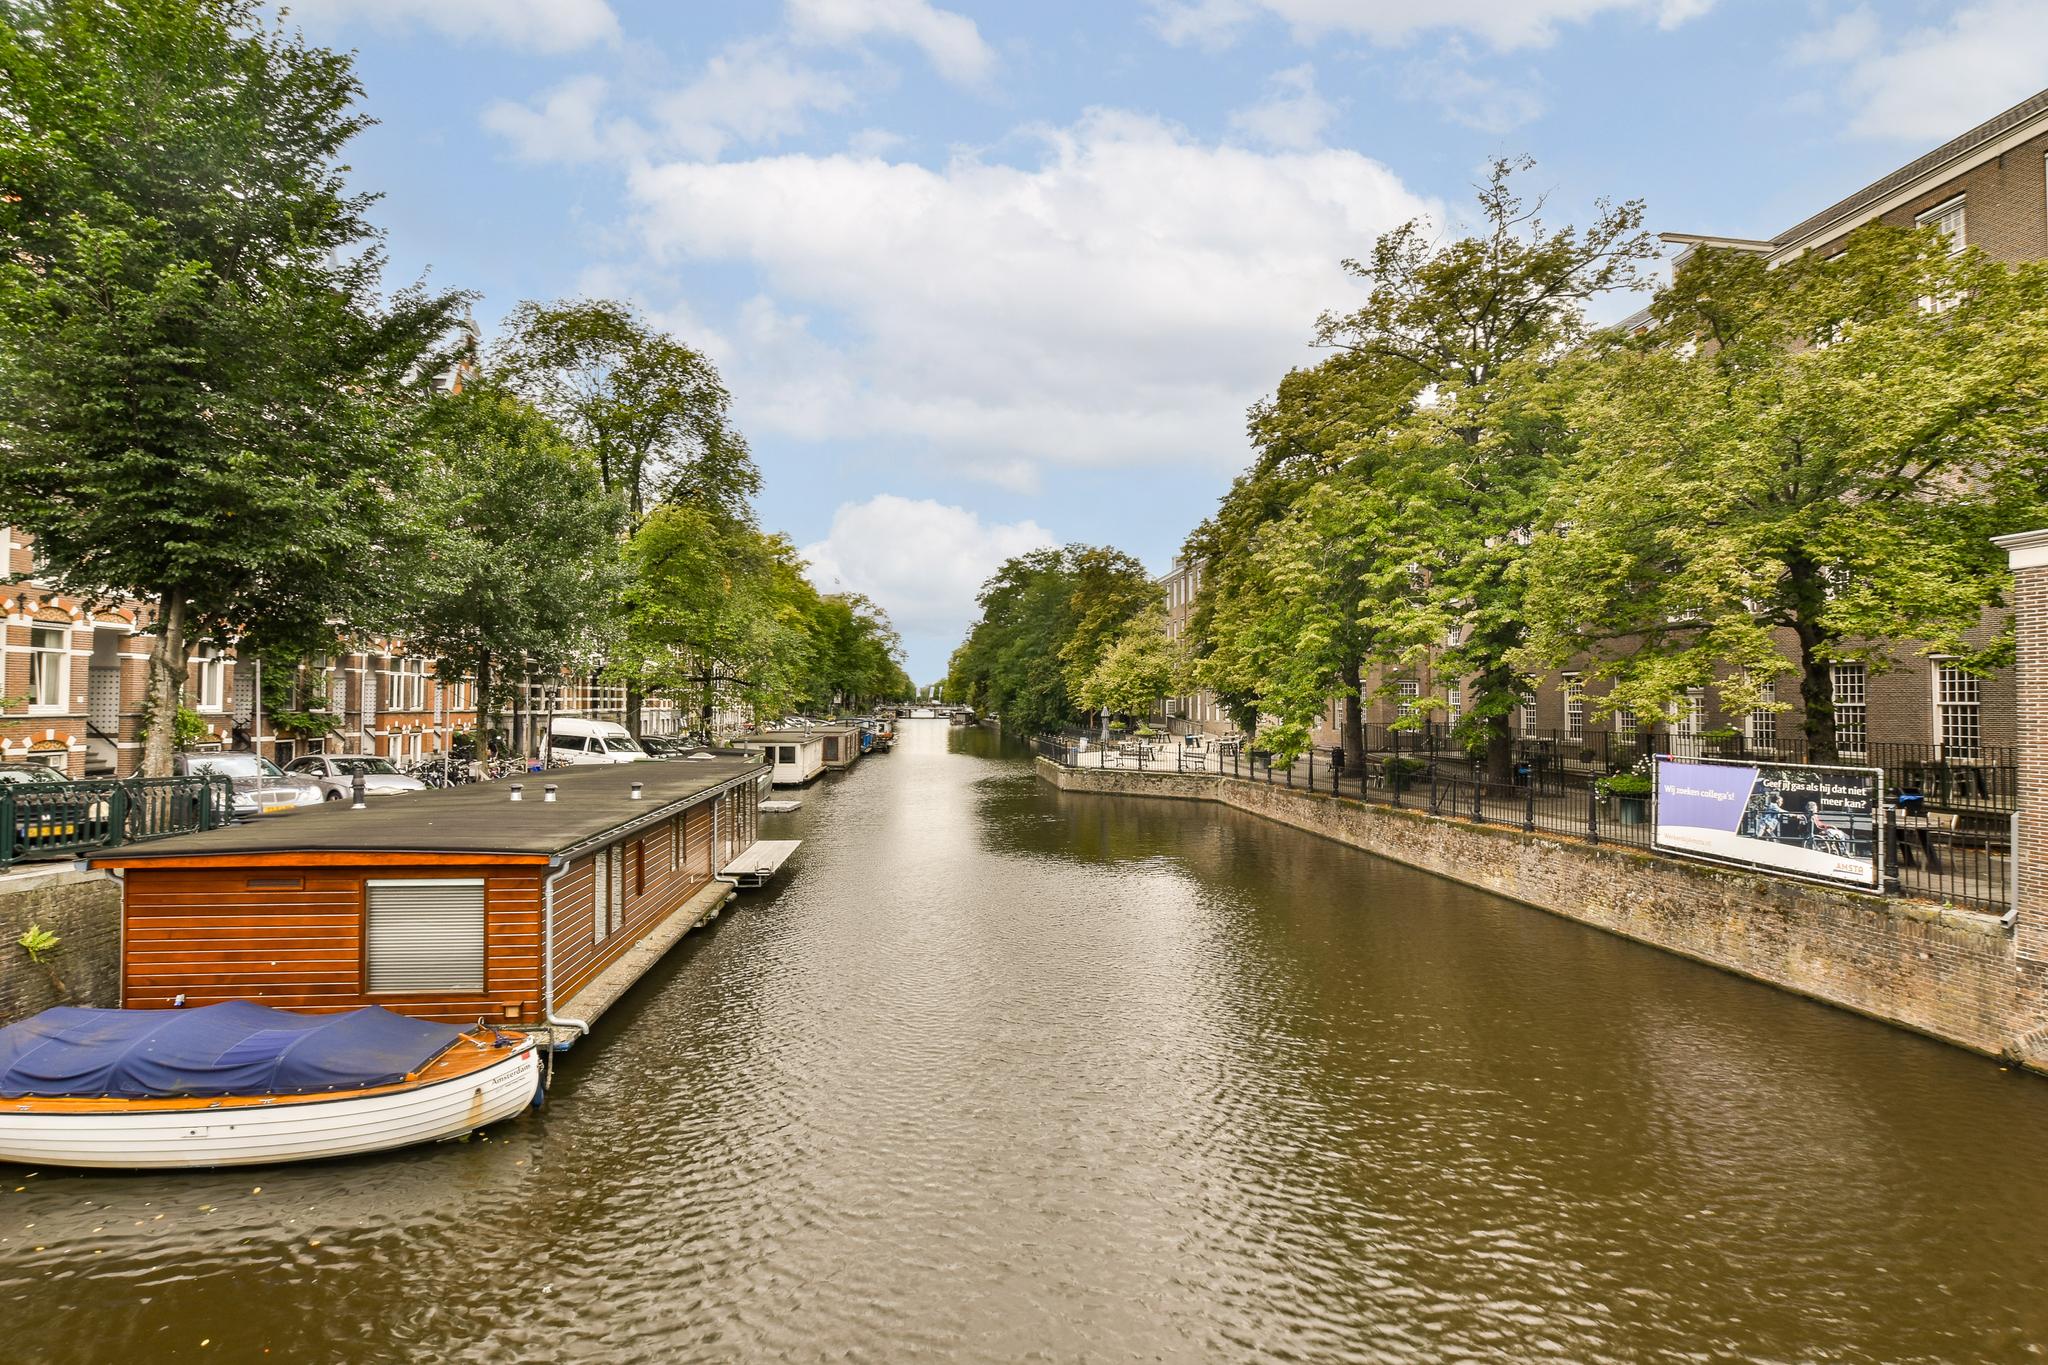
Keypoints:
pixel 636 791
pixel 518 792
pixel 547 793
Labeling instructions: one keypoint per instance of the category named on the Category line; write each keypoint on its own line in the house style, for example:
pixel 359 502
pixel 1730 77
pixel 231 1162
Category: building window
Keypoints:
pixel 1849 688
pixel 1525 715
pixel 1574 707
pixel 1625 726
pixel 1762 725
pixel 1685 722
pixel 1957 712
pixel 49 667
pixel 209 679
pixel 1453 699
pixel 1949 218
pixel 1409 690
pixel 425 935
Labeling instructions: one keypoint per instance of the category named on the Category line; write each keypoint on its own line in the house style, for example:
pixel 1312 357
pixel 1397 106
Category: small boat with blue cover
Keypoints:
pixel 240 1084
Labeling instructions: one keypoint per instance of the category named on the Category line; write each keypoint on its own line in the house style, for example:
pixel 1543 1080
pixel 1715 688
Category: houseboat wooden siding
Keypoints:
pixel 645 876
pixel 294 939
pixel 287 911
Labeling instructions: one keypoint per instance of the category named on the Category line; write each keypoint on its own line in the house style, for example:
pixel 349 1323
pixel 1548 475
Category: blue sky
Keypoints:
pixel 987 276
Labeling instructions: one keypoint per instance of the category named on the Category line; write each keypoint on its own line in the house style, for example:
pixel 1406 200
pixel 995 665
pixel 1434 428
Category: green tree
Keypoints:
pixel 1815 453
pixel 1141 669
pixel 203 397
pixel 652 410
pixel 716 608
pixel 1475 325
pixel 1295 578
pixel 655 414
pixel 856 655
pixel 523 570
pixel 1047 618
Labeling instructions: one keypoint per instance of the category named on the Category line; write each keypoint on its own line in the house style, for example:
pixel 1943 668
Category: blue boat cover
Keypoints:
pixel 236 1048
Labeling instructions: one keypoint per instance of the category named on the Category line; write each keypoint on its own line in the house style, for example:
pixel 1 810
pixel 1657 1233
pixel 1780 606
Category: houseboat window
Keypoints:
pixel 675 844
pixel 786 754
pixel 600 901
pixel 426 934
pixel 639 867
pixel 618 853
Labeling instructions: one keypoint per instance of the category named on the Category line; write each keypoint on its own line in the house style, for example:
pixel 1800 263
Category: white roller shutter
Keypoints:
pixel 426 934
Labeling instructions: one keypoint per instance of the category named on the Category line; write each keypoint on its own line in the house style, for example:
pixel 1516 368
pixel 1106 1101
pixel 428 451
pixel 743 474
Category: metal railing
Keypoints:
pixel 60 819
pixel 1959 858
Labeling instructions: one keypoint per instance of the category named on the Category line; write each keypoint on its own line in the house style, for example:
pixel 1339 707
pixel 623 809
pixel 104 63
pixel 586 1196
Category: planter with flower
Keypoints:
pixel 1631 790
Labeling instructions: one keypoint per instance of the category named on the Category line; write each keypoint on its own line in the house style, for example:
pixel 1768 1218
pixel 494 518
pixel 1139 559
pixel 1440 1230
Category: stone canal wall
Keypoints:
pixel 83 909
pixel 1952 974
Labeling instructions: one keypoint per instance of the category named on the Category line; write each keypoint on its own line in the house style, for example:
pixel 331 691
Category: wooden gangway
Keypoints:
pixel 761 860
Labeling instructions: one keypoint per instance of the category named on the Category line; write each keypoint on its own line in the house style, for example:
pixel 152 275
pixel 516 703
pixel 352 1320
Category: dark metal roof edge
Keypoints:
pixel 599 839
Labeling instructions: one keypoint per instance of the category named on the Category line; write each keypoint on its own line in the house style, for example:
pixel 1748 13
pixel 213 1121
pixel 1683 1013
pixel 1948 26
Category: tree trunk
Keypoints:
pixel 1354 718
pixel 166 683
pixel 707 704
pixel 1808 591
pixel 635 697
pixel 484 713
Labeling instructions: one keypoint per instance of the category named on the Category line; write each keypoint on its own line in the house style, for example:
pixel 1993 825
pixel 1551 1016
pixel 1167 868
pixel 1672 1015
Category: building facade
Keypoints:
pixel 1194 712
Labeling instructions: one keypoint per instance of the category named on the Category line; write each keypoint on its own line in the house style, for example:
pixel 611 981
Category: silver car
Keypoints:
pixel 261 787
pixel 335 775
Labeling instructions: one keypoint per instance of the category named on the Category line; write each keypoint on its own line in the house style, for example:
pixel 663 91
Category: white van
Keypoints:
pixel 578 739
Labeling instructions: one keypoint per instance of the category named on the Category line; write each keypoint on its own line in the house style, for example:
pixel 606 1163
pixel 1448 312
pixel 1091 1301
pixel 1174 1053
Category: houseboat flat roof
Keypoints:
pixel 784 736
pixel 482 819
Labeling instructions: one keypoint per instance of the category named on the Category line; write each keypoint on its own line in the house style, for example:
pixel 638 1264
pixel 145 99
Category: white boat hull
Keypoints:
pixel 284 1130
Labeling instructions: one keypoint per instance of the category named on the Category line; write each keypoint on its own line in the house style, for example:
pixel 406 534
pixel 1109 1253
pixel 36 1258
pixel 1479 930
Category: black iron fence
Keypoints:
pixel 62 819
pixel 1963 858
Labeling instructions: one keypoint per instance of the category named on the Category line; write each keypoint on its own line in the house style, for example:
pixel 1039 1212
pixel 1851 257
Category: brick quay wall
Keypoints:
pixel 83 909
pixel 1950 974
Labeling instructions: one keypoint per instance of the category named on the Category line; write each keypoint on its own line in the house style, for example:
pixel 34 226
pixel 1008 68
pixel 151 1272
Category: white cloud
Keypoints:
pixel 1119 302
pixel 1928 84
pixel 874 142
pixel 752 92
pixel 1464 96
pixel 534 25
pixel 922 560
pixel 1293 115
pixel 567 125
pixel 1501 23
pixel 950 41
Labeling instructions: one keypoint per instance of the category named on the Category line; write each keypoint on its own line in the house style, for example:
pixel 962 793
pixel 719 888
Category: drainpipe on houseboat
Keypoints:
pixel 547 951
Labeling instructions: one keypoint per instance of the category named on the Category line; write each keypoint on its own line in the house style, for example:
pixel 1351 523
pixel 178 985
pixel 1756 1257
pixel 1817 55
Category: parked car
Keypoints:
pixel 665 746
pixel 260 786
pixel 578 740
pixel 335 775
pixel 48 810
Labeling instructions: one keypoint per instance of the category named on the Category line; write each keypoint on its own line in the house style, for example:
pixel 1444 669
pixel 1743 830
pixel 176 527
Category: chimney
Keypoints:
pixel 518 792
pixel 547 793
pixel 636 791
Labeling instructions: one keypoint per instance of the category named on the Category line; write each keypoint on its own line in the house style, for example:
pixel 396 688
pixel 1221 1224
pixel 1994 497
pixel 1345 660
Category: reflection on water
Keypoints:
pixel 999 1073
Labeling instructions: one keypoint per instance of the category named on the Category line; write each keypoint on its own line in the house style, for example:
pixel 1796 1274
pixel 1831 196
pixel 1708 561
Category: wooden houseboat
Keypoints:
pixel 532 904
pixel 842 744
pixel 796 756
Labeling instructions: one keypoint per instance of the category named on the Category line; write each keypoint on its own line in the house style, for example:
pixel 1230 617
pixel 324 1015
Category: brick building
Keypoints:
pixel 1194 712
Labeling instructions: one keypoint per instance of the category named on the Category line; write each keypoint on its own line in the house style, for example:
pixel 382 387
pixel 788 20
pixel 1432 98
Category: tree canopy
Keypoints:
pixel 205 400
pixel 1816 454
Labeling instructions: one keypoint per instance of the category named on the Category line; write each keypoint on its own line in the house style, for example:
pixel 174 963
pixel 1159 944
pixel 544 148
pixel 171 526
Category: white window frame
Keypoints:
pixel 1957 207
pixel 600 896
pixel 1760 727
pixel 1849 693
pixel 49 669
pixel 1958 712
pixel 209 679
pixel 1574 688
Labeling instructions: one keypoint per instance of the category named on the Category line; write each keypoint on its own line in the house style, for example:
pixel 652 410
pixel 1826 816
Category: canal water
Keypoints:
pixel 998 1074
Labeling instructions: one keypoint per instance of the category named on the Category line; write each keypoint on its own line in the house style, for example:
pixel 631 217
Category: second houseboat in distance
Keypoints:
pixel 532 904
pixel 796 756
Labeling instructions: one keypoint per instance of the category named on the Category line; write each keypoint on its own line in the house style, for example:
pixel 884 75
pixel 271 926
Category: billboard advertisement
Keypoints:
pixel 1804 821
